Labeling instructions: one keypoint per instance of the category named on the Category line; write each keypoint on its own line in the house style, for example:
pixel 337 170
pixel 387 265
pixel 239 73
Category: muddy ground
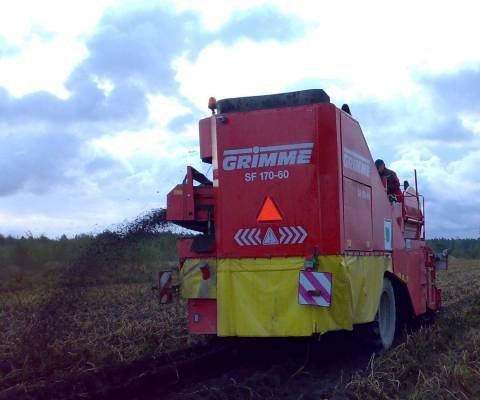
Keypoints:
pixel 289 369
pixel 431 362
pixel 439 359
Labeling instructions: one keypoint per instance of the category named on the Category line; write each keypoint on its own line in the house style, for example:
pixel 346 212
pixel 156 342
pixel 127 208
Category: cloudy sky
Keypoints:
pixel 99 100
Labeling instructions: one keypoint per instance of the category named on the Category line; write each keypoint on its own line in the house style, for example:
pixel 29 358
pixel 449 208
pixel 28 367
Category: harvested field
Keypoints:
pixel 429 361
pixel 52 334
pixel 439 361
pixel 49 336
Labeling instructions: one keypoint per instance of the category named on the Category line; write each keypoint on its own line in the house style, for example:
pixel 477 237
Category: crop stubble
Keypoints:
pixel 51 334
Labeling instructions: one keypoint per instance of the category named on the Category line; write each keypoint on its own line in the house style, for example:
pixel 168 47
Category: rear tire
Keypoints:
pixel 381 332
pixel 386 318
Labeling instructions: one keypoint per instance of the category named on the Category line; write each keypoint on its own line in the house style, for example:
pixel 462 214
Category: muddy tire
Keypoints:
pixel 381 332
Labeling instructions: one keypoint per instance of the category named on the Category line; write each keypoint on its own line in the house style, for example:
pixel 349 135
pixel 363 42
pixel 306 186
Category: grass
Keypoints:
pixel 439 361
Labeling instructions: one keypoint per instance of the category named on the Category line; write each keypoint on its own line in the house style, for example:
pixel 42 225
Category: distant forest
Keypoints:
pixel 110 257
pixel 460 248
pixel 85 259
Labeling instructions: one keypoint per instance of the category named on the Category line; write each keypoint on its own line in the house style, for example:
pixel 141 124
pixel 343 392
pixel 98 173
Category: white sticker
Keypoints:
pixel 387 233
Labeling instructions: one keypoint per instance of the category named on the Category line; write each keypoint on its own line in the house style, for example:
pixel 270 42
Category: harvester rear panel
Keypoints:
pixel 298 232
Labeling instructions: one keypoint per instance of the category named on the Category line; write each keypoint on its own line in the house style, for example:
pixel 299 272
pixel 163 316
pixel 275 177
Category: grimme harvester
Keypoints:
pixel 298 235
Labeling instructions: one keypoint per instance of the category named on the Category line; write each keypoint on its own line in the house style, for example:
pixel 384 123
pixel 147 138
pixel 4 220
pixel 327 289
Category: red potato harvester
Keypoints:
pixel 297 233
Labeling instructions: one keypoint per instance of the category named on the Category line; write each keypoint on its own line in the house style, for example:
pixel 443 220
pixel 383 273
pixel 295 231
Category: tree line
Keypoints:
pixel 113 257
pixel 109 257
pixel 460 248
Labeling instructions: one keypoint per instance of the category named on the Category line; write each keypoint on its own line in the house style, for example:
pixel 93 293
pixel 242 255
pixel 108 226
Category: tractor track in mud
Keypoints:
pixel 222 368
pixel 290 368
pixel 132 380
pixel 274 368
pixel 270 368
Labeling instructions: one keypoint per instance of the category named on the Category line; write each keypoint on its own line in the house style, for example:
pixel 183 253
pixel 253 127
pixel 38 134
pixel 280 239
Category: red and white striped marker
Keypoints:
pixel 315 288
pixel 164 283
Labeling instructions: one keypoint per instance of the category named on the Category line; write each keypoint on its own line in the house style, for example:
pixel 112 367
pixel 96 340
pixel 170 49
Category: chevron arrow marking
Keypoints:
pixel 251 236
pixel 289 237
pixel 237 237
pixel 282 235
pixel 257 237
pixel 304 234
pixel 296 233
pixel 243 238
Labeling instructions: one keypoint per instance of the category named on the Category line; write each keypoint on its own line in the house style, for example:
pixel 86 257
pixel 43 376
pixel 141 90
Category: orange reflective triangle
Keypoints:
pixel 269 211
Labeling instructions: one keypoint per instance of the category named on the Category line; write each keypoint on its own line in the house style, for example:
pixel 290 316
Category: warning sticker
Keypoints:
pixel 269 211
pixel 315 288
pixel 273 236
pixel 270 237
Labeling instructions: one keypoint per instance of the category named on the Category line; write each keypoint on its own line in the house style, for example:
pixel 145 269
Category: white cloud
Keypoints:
pixel 164 109
pixel 472 122
pixel 39 67
pixel 154 142
pixel 451 189
pixel 371 52
pixel 64 211
pixel 49 38
pixel 373 49
pixel 133 144
pixel 57 16
pixel 214 15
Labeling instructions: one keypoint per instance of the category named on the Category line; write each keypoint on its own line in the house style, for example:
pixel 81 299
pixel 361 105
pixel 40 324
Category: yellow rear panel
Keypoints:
pixel 259 297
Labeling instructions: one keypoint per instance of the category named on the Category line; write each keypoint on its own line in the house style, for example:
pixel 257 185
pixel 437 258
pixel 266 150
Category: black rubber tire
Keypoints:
pixel 384 327
pixel 379 334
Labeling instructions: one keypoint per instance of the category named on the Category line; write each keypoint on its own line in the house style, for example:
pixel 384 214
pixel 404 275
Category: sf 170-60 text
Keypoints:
pixel 266 175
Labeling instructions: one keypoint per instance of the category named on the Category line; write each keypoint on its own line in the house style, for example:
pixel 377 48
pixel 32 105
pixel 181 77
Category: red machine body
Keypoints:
pixel 298 180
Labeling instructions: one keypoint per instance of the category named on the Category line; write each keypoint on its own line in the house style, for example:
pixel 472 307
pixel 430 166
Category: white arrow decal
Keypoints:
pixel 237 237
pixel 257 237
pixel 251 236
pixel 287 235
pixel 282 235
pixel 244 237
pixel 290 235
pixel 304 234
pixel 296 233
